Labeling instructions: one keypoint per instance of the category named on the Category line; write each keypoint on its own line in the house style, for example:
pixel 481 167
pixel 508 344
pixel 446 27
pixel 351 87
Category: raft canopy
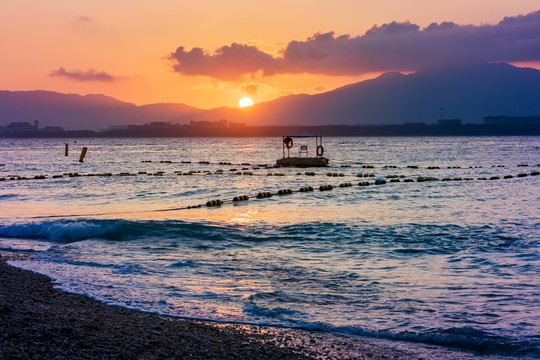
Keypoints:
pixel 302 135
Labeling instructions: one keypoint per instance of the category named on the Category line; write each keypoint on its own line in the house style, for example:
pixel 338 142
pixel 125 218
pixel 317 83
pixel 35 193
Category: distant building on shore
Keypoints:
pixel 209 124
pixel 52 129
pixel 237 124
pixel 17 127
pixel 417 124
pixel 449 122
pixel 509 120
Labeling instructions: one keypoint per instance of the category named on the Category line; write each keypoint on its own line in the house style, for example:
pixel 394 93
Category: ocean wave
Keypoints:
pixel 58 231
pixel 406 240
pixel 273 313
pixel 67 231
pixel 465 338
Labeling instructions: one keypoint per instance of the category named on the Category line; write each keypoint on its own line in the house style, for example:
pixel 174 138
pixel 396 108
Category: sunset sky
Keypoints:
pixel 212 53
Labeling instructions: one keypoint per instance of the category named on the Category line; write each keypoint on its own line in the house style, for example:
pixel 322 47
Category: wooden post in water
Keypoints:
pixel 83 153
pixel 66 152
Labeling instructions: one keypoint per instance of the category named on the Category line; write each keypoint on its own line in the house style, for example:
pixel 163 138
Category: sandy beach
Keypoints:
pixel 38 321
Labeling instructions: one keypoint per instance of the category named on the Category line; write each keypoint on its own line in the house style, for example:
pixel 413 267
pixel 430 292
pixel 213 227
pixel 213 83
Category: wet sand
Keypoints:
pixel 38 321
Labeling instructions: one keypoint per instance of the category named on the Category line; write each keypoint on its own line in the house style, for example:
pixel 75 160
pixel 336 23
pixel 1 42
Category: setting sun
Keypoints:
pixel 245 101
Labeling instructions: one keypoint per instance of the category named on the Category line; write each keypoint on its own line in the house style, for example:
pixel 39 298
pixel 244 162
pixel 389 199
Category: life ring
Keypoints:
pixel 320 150
pixel 288 142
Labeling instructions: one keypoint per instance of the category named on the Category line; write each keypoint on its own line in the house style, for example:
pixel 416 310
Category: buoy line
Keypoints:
pixel 235 172
pixel 304 189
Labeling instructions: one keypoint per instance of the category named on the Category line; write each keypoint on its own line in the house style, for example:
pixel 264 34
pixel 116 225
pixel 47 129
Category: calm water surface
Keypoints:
pixel 454 263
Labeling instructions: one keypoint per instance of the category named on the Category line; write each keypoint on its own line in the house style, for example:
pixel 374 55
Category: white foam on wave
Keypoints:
pixel 60 231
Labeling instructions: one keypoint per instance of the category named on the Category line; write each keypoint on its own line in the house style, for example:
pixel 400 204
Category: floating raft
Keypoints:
pixel 302 161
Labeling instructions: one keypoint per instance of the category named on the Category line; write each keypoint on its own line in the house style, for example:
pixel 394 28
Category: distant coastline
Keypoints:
pixel 179 130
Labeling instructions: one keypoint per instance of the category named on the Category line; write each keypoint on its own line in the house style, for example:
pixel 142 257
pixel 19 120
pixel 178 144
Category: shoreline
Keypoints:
pixel 40 321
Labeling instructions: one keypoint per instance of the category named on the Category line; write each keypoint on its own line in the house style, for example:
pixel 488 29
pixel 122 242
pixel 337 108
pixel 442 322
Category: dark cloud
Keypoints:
pixel 227 63
pixel 250 88
pixel 394 46
pixel 89 75
pixel 84 18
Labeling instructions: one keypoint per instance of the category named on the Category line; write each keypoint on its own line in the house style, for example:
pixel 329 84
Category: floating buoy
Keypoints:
pixel 263 195
pixel 535 173
pixel 522 175
pixel 241 198
pixel 326 187
pixel 285 192
pixel 380 182
pixel 363 183
pixel 214 203
pixel 429 178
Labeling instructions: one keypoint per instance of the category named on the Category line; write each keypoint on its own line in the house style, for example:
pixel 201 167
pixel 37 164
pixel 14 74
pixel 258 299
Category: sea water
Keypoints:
pixel 453 262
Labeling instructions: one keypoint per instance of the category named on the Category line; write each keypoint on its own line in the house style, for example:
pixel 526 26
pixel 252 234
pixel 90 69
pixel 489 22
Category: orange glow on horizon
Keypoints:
pixel 131 51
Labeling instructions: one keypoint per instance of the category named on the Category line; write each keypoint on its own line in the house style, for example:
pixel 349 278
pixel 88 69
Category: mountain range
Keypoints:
pixel 467 92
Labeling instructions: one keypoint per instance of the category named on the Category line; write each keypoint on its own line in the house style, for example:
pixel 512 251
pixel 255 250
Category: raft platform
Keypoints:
pixel 303 161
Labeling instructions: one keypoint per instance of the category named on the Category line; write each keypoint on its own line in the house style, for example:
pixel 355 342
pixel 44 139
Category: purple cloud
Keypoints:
pixel 89 75
pixel 395 46
pixel 227 63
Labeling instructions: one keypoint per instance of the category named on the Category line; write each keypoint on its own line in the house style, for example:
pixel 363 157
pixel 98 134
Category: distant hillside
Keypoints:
pixel 467 92
pixel 76 112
